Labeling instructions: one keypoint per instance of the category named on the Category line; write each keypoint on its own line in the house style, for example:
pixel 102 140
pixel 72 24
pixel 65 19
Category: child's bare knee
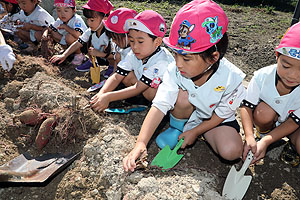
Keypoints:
pixel 231 151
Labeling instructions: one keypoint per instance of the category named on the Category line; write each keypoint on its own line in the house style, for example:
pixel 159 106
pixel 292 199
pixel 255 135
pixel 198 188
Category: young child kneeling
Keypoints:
pixel 202 89
pixel 273 102
pixel 67 28
pixel 142 69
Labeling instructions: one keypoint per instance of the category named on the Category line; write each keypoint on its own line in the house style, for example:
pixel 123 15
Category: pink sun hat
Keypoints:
pixel 196 27
pixel 148 21
pixel 290 42
pixel 116 20
pixel 64 3
pixel 103 6
pixel 11 1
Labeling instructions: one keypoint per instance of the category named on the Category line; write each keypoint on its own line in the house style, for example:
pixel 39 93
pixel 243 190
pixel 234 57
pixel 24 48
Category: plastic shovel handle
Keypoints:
pixel 137 109
pixel 178 145
pixel 246 164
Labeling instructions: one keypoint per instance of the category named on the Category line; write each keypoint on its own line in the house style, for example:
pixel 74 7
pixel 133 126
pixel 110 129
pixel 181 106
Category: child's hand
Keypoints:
pixel 92 51
pixel 26 27
pixel 261 151
pixel 62 26
pixel 189 138
pixel 250 144
pixel 60 58
pixel 129 160
pixel 100 102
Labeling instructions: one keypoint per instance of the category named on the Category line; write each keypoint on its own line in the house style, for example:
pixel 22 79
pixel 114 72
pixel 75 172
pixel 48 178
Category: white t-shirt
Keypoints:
pixel 8 22
pixel 222 93
pixel 39 17
pixel 151 73
pixel 97 42
pixel 76 22
pixel 262 87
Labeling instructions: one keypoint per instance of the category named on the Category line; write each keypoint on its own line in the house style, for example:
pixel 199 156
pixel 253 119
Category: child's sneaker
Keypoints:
pixel 85 67
pixel 289 155
pixel 78 59
pixel 96 86
pixel 108 72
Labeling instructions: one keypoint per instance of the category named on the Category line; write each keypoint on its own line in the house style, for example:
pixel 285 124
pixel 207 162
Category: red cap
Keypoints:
pixel 148 21
pixel 103 6
pixel 116 20
pixel 64 3
pixel 11 1
pixel 290 42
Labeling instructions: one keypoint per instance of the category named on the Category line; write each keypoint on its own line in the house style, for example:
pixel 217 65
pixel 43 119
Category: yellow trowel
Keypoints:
pixel 95 71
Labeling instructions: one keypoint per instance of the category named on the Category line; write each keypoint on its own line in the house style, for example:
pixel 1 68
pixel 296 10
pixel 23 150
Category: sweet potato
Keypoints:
pixel 30 117
pixel 44 133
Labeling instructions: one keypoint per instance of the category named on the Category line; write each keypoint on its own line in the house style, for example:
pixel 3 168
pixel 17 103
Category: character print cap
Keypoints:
pixel 103 6
pixel 11 1
pixel 64 3
pixel 196 27
pixel 148 21
pixel 116 20
pixel 290 42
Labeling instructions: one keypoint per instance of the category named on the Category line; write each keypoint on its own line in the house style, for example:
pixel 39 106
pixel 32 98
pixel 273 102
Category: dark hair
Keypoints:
pixel 15 8
pixel 221 47
pixel 92 13
pixel 153 37
pixel 115 36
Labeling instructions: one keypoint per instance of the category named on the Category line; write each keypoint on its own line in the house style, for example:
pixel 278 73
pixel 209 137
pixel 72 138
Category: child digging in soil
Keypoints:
pixel 115 30
pixel 273 102
pixel 202 89
pixel 94 11
pixel 12 9
pixel 67 28
pixel 34 20
pixel 142 69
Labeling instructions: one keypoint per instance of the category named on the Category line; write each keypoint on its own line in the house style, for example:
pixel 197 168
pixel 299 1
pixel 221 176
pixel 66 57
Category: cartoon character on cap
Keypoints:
pixel 184 39
pixel 198 27
pixel 144 63
pixel 199 71
pixel 272 103
pixel 212 28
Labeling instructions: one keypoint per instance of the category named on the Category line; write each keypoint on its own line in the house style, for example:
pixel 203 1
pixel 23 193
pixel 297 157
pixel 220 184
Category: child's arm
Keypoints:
pixel 97 53
pixel 149 126
pixel 191 135
pixel 70 30
pixel 247 122
pixel 28 26
pixel 105 98
pixel 284 129
pixel 61 58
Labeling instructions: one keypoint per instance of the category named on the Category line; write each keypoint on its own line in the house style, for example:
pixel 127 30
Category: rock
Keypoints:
pixel 94 192
pixel 148 185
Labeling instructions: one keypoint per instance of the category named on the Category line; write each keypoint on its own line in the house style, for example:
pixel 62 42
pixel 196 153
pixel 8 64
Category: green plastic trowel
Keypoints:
pixel 168 158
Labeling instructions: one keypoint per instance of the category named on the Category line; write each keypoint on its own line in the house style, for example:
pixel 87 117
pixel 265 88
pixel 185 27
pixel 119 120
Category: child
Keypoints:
pixel 94 11
pixel 273 102
pixel 34 20
pixel 115 31
pixel 7 57
pixel 202 89
pixel 67 28
pixel 8 22
pixel 142 69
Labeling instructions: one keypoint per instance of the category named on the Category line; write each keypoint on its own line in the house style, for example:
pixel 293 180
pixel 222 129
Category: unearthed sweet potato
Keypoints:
pixel 30 117
pixel 44 133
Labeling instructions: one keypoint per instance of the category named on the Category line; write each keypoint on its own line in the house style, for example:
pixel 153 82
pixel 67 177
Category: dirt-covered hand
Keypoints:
pixel 26 27
pixel 129 161
pixel 100 102
pixel 61 58
pixel 92 51
pixel 62 26
pixel 189 138
pixel 7 57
